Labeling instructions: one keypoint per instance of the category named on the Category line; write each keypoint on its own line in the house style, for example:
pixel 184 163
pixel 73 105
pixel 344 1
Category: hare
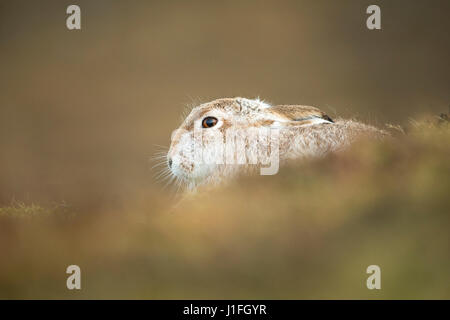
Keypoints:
pixel 226 136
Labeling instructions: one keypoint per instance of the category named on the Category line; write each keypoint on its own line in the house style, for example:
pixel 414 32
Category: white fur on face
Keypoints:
pixel 187 155
pixel 197 153
pixel 189 148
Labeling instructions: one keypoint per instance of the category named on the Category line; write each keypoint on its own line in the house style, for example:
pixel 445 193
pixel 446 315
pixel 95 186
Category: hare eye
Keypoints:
pixel 209 122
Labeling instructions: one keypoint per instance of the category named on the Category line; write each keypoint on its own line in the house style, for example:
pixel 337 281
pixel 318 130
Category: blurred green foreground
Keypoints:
pixel 308 232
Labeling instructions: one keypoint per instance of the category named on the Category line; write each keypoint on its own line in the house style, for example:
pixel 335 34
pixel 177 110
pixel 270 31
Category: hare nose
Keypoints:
pixel 169 161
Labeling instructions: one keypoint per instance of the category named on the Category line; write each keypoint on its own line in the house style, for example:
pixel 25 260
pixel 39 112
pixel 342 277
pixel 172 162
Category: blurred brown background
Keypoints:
pixel 81 113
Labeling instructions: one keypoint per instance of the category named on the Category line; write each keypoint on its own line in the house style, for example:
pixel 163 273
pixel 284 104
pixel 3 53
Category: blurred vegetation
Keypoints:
pixel 23 211
pixel 308 232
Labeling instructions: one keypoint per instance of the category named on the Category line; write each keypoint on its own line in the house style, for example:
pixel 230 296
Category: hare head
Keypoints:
pixel 204 146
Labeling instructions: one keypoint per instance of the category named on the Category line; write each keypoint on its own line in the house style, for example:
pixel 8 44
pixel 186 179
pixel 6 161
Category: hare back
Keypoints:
pixel 317 140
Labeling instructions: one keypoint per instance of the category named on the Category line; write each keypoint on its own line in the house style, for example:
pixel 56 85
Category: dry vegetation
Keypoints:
pixel 308 232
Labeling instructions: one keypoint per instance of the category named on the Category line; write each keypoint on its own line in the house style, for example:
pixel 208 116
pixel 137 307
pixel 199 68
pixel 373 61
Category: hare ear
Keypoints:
pixel 291 115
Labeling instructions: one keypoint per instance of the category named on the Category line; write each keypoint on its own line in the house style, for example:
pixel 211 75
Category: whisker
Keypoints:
pixel 158 165
pixel 158 157
pixel 161 146
pixel 170 180
pixel 165 172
